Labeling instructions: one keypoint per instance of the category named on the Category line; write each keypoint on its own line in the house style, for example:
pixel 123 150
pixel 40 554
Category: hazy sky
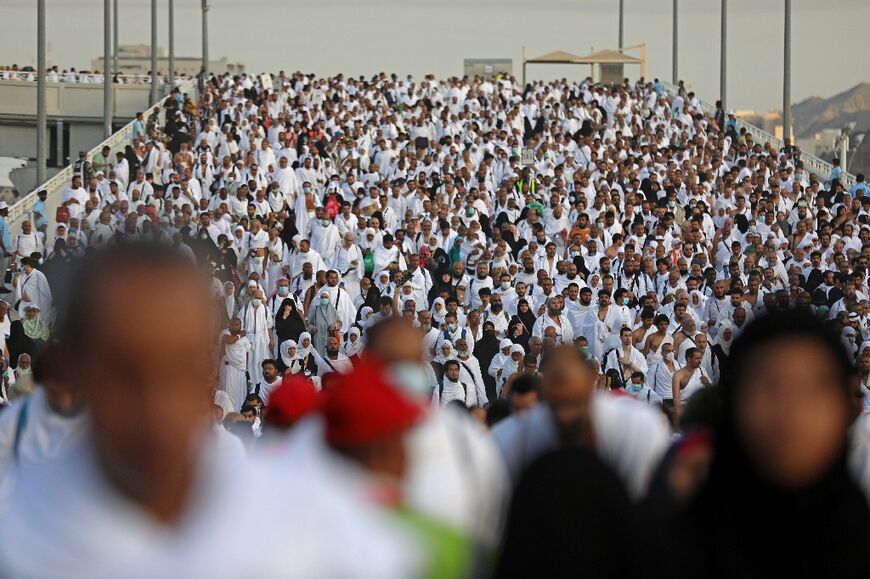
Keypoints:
pixel 355 37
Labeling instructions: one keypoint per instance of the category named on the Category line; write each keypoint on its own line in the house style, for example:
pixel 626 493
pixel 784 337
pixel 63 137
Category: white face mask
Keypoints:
pixel 669 356
pixel 411 377
pixel 256 302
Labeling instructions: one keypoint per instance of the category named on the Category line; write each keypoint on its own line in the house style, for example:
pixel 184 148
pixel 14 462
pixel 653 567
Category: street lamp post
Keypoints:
pixel 115 35
pixel 723 74
pixel 786 76
pixel 107 68
pixel 153 51
pixel 205 35
pixel 171 44
pixel 40 93
pixel 675 75
pixel 621 21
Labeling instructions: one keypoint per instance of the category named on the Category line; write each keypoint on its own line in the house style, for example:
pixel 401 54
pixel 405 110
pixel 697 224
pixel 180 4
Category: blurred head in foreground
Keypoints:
pixel 367 419
pixel 133 339
pixel 787 399
pixel 779 473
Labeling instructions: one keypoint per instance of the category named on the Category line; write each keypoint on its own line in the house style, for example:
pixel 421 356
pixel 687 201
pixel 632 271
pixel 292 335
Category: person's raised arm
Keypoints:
pixel 675 386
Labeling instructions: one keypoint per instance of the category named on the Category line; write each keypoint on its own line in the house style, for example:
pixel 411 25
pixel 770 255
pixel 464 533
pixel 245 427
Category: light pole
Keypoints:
pixel 153 51
pixel 107 66
pixel 205 36
pixel 786 76
pixel 115 35
pixel 675 75
pixel 40 93
pixel 171 44
pixel 723 50
pixel 621 21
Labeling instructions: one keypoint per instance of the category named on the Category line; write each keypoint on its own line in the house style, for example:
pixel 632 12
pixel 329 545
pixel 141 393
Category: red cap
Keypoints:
pixel 295 398
pixel 363 407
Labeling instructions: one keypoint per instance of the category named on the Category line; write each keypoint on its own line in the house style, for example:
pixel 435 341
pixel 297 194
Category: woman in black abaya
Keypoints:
pixel 779 500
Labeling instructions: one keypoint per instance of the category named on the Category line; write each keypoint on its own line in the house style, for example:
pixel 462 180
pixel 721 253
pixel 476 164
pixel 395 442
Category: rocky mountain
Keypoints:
pixel 816 113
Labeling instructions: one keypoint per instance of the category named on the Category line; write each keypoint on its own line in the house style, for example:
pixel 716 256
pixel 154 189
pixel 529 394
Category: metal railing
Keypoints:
pixel 96 78
pixel 22 209
pixel 813 164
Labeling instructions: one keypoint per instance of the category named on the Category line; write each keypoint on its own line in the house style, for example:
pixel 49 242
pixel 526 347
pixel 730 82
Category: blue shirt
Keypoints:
pixel 863 188
pixel 138 128
pixel 39 207
pixel 4 233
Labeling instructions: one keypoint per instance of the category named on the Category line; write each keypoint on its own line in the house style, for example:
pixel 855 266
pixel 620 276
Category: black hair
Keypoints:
pixel 783 325
pixel 499 410
pixel 525 383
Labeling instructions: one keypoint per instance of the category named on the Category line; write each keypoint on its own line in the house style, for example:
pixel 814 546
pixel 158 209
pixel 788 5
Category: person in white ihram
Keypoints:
pixel 147 490
pixel 235 348
pixel 32 286
pixel 452 388
pixel 35 430
pixel 257 324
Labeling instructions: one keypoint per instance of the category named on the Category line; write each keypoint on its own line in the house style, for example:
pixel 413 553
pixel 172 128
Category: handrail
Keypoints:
pixel 21 210
pixel 813 164
pixel 133 79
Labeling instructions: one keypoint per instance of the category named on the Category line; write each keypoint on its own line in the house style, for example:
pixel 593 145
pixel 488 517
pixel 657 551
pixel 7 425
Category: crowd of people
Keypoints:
pixel 459 327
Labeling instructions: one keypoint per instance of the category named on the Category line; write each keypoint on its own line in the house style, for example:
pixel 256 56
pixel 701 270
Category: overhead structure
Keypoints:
pixel 610 62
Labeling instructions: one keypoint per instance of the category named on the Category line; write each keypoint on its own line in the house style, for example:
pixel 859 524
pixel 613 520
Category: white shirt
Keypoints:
pixel 44 435
pixel 69 521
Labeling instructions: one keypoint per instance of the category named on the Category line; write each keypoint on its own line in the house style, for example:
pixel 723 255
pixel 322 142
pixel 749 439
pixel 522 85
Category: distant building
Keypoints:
pixel 770 121
pixel 488 67
pixel 135 59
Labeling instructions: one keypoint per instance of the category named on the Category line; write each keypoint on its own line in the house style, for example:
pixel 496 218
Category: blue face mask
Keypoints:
pixel 625 301
pixel 283 290
pixel 633 388
pixel 451 327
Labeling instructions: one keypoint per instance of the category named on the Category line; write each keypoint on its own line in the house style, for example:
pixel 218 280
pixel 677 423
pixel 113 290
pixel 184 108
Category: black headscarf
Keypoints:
pixel 438 286
pixel 528 318
pixel 741 525
pixel 485 350
pixel 290 328
pixel 18 343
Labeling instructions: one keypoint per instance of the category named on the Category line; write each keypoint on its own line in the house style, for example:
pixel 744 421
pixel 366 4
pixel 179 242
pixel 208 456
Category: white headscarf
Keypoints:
pixel 285 352
pixel 353 348
pixel 440 356
pixel 510 366
pixel 702 303
pixel 386 289
pixel 720 336
pixel 302 351
pixel 848 339
pixel 438 317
